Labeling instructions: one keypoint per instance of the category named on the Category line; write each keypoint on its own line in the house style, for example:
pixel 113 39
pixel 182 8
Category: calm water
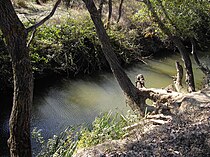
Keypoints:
pixel 71 102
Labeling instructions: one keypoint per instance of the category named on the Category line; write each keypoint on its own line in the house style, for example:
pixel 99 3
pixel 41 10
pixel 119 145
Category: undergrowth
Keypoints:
pixel 71 46
pixel 105 127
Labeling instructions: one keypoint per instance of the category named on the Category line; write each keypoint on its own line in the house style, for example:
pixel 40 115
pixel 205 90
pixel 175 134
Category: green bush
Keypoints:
pixel 73 46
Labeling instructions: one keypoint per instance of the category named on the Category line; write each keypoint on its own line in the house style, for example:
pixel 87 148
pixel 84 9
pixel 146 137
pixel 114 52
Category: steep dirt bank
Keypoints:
pixel 184 133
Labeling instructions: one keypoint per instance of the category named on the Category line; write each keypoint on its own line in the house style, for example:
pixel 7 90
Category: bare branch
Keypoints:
pixel 45 19
pixel 120 11
pixel 31 38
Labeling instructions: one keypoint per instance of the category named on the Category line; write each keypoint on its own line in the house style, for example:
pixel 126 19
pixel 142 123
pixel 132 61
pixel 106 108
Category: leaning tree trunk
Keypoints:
pixel 15 35
pixel 178 43
pixel 187 63
pixel 138 100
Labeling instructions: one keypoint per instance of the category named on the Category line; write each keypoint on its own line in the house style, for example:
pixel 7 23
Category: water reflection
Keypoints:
pixel 81 100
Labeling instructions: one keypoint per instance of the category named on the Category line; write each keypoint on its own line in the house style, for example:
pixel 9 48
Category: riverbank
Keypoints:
pixel 184 133
pixel 67 45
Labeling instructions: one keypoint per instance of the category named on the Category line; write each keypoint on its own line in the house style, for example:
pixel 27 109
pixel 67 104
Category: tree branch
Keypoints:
pixel 31 38
pixel 120 11
pixel 45 19
pixel 204 69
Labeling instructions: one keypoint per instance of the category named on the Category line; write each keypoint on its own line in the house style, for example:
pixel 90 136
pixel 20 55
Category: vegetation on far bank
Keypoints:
pixel 69 45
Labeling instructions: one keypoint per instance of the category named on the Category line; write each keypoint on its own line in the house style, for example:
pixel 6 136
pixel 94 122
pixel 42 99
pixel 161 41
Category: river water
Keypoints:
pixel 72 102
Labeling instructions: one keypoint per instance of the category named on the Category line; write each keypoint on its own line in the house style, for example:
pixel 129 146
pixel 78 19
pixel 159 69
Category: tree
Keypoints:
pixel 120 11
pixel 134 96
pixel 177 42
pixel 181 21
pixel 110 13
pixel 15 35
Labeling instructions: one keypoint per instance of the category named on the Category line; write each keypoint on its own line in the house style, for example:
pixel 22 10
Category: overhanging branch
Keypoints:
pixel 45 19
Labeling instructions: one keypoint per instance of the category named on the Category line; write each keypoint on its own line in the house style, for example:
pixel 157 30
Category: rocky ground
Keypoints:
pixel 186 132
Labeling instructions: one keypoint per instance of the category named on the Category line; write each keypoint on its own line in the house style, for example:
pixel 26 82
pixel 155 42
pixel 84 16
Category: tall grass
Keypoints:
pixel 105 127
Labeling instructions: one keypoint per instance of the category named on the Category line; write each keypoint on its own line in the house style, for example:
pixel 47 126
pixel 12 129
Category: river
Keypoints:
pixel 72 102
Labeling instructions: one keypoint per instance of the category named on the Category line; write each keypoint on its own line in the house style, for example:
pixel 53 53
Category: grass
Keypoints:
pixel 107 126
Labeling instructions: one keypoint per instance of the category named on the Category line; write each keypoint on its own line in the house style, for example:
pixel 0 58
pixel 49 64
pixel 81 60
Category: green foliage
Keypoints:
pixel 184 18
pixel 188 15
pixel 61 46
pixel 105 127
pixel 63 144
pixel 72 46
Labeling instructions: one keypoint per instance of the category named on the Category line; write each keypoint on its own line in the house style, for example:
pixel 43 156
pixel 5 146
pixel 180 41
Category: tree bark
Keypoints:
pixel 135 97
pixel 178 43
pixel 15 35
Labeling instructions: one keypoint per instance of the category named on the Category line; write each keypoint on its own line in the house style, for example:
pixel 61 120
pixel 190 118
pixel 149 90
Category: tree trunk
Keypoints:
pixel 203 68
pixel 110 13
pixel 120 11
pixel 136 98
pixel 179 76
pixel 178 43
pixel 15 35
pixel 187 63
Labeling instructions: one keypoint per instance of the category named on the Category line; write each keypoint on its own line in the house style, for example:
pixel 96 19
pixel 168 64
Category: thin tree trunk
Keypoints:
pixel 177 42
pixel 136 98
pixel 120 11
pixel 204 69
pixel 15 35
pixel 109 14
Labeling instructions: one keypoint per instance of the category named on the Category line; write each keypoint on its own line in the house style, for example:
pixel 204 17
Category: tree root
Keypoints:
pixel 171 102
